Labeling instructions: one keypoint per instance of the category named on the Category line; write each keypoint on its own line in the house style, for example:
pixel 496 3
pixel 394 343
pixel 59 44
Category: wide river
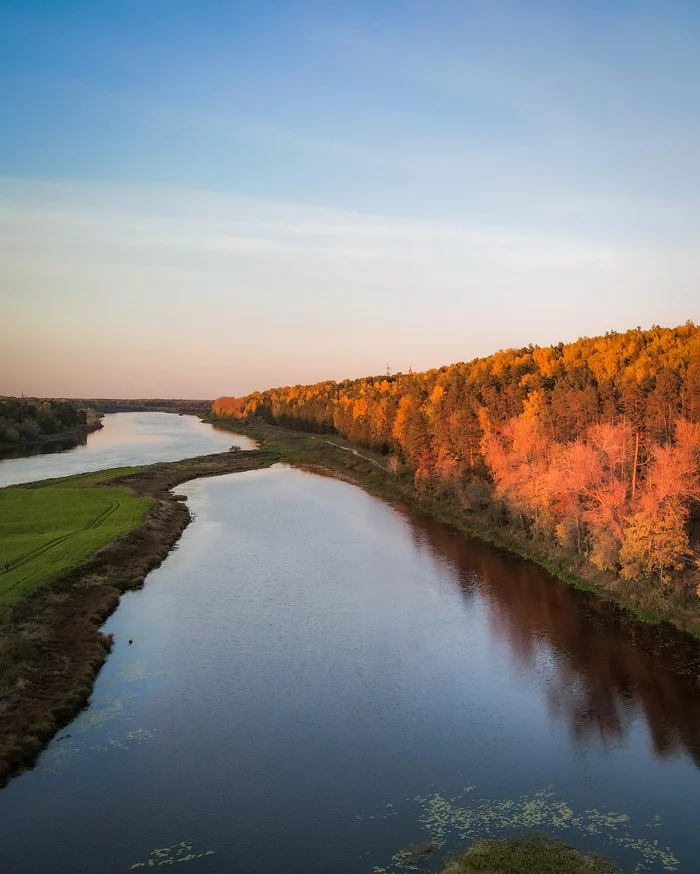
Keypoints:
pixel 126 439
pixel 318 679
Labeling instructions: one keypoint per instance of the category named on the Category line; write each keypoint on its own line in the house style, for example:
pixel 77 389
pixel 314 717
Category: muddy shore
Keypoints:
pixel 51 646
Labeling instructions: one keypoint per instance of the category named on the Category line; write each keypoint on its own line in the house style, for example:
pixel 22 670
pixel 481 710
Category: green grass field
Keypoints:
pixel 48 527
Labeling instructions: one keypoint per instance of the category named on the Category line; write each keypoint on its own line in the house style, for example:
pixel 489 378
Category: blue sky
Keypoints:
pixel 206 198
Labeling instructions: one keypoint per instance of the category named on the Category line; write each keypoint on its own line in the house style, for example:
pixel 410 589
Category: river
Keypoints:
pixel 126 439
pixel 318 679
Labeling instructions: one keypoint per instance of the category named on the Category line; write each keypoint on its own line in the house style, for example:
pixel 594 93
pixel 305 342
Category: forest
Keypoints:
pixel 141 405
pixel 32 420
pixel 590 449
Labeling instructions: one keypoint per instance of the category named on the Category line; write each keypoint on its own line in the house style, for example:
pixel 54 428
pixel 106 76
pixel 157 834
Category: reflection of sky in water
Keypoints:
pixel 127 439
pixel 315 677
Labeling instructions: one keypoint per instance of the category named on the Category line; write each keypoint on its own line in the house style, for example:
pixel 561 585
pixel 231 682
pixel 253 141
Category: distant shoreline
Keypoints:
pixel 37 445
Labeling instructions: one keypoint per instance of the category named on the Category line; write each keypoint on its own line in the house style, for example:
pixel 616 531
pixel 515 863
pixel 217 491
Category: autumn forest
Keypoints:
pixel 589 450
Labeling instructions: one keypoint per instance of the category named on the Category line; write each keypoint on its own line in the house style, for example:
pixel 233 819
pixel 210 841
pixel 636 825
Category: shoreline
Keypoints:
pixel 51 645
pixel 62 619
pixel 348 465
pixel 28 448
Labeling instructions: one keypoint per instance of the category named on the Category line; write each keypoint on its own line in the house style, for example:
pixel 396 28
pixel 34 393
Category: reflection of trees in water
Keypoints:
pixel 605 667
pixel 60 444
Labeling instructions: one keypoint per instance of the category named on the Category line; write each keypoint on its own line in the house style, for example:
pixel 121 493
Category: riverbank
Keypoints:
pixel 49 442
pixel 335 455
pixel 47 528
pixel 51 646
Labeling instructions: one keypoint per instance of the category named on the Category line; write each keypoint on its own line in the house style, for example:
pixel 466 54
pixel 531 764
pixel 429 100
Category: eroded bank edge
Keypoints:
pixel 51 646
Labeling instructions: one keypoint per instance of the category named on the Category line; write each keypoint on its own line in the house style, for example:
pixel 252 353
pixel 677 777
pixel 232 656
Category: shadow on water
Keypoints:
pixel 608 668
pixel 316 681
pixel 49 448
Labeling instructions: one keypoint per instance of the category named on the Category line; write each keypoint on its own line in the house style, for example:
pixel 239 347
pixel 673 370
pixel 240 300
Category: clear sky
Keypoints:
pixel 201 198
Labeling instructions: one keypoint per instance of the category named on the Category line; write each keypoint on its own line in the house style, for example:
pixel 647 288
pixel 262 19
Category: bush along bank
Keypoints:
pixel 475 510
pixel 586 454
pixel 31 424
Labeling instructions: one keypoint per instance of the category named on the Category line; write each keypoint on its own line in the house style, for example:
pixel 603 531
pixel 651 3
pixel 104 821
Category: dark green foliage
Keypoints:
pixel 527 854
pixel 28 420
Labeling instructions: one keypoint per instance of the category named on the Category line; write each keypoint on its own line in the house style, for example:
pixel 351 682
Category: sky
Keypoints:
pixel 205 198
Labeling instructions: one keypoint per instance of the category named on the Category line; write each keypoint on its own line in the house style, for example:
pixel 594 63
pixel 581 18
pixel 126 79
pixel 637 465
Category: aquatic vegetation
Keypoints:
pixel 453 822
pixel 64 751
pixel 139 671
pixel 128 740
pixel 57 757
pixel 182 852
pixel 133 672
pixel 413 854
pixel 527 853
pixel 110 709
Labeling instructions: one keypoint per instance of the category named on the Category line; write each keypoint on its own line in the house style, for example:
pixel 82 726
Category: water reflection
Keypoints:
pixel 316 680
pixel 127 439
pixel 55 446
pixel 601 669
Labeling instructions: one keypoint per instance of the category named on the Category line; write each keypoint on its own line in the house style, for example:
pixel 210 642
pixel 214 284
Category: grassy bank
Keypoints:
pixel 48 528
pixel 335 455
pixel 73 546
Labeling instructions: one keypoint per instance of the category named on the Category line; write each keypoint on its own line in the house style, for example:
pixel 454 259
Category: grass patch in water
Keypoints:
pixel 527 854
pixel 182 852
pixel 450 823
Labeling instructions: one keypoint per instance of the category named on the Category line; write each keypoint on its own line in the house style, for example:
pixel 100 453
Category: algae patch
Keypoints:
pixel 128 740
pixel 182 852
pixel 453 822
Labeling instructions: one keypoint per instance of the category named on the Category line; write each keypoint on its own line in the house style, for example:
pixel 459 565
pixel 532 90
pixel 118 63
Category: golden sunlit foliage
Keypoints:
pixel 594 444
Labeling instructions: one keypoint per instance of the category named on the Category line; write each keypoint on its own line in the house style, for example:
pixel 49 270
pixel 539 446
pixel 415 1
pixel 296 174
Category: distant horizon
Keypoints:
pixel 219 198
pixel 378 374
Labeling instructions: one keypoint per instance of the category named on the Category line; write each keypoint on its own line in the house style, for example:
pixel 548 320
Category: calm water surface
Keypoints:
pixel 126 439
pixel 318 679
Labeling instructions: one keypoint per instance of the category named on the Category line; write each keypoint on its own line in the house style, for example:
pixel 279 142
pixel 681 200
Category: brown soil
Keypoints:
pixel 51 646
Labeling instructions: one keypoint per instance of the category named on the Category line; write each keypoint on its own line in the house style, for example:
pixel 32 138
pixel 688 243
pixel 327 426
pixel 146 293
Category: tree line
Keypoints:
pixel 140 405
pixel 25 420
pixel 593 445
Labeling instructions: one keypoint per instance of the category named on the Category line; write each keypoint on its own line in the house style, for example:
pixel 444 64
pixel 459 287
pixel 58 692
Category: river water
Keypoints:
pixel 126 439
pixel 318 679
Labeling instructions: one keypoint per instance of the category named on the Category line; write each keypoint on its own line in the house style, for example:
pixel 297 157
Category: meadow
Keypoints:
pixel 46 528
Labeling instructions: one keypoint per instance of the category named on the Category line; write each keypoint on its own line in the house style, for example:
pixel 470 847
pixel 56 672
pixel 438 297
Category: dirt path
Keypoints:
pixel 354 452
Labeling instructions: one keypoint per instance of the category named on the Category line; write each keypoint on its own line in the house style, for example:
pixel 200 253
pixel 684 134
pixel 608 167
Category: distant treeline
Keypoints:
pixel 137 405
pixel 592 446
pixel 30 420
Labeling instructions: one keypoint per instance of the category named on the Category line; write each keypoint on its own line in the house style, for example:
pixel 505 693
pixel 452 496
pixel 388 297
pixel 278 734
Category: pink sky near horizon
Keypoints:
pixel 128 291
